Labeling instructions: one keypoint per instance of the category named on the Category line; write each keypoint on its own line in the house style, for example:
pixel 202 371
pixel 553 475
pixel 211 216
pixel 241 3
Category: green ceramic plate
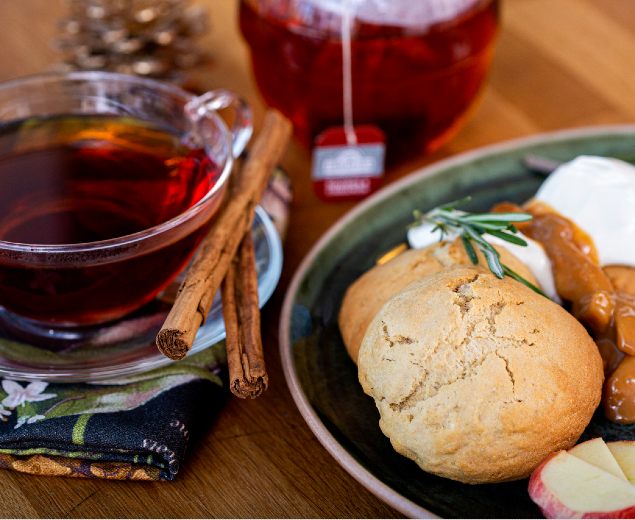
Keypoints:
pixel 323 380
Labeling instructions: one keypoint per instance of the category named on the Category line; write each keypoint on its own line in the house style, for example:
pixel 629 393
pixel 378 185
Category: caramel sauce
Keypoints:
pixel 622 277
pixel 611 355
pixel 579 278
pixel 603 299
pixel 580 238
pixel 625 323
pixel 619 393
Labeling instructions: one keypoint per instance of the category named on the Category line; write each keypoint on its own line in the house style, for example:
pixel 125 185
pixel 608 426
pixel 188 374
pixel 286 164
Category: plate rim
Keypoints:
pixel 318 428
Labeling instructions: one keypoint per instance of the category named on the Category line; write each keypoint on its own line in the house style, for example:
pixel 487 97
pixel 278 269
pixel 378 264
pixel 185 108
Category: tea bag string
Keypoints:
pixel 347 75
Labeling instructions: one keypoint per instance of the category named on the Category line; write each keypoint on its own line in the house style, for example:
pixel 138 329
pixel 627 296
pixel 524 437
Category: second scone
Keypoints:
pixel 479 379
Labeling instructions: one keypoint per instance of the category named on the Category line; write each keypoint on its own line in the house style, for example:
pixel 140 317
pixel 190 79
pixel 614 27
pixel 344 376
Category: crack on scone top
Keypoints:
pixel 456 285
pixel 418 392
pixel 494 310
pixel 398 339
pixel 387 339
pixel 406 400
pixel 415 392
pixel 469 335
pixel 510 374
pixel 464 293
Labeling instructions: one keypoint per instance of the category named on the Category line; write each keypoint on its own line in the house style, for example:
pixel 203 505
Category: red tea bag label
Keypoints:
pixel 346 171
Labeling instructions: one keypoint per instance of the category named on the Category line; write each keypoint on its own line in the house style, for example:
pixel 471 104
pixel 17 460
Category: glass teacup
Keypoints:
pixel 107 184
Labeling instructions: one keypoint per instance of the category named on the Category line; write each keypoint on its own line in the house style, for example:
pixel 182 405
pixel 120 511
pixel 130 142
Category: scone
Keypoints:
pixel 371 290
pixel 478 379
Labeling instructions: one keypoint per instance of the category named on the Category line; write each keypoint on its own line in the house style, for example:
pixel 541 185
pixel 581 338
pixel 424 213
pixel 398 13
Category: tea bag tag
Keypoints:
pixel 345 171
pixel 348 161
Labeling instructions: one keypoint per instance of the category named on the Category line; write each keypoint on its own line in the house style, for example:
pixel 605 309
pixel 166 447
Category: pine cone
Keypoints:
pixel 153 38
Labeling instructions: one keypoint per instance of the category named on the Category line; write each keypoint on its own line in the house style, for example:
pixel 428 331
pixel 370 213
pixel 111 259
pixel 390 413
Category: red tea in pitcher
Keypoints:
pixel 73 180
pixel 416 65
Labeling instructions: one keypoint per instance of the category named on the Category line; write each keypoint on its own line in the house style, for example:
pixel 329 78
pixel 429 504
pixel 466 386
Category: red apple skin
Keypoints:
pixel 551 506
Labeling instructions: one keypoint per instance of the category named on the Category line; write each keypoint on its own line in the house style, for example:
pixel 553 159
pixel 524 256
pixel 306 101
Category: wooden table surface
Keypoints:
pixel 559 63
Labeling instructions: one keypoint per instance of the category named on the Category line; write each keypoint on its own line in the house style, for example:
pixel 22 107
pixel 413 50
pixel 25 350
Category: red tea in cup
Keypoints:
pixel 69 181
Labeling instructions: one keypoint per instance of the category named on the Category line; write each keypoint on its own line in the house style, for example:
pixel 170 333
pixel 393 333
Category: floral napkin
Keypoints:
pixel 133 428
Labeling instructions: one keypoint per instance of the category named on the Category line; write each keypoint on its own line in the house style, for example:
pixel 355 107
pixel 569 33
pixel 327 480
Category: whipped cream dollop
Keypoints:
pixel 598 194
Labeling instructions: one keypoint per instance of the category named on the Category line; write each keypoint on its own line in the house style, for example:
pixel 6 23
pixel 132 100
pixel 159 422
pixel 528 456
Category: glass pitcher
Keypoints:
pixel 417 65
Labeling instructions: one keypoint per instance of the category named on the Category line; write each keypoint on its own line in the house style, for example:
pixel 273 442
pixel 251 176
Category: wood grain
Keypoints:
pixel 558 64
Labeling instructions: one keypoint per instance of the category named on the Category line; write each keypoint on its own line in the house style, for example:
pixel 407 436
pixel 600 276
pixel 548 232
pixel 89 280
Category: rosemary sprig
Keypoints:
pixel 471 227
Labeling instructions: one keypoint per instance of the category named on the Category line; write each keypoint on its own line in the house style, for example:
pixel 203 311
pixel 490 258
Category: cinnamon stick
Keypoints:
pixel 214 256
pixel 247 372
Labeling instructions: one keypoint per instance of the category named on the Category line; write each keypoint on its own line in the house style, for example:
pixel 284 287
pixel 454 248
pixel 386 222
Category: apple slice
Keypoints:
pixel 565 486
pixel 596 452
pixel 624 453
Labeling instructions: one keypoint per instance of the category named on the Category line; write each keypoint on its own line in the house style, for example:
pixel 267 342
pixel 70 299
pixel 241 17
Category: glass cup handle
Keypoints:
pixel 215 100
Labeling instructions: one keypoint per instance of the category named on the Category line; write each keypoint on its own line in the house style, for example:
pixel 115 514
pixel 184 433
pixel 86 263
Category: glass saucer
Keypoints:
pixel 126 347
